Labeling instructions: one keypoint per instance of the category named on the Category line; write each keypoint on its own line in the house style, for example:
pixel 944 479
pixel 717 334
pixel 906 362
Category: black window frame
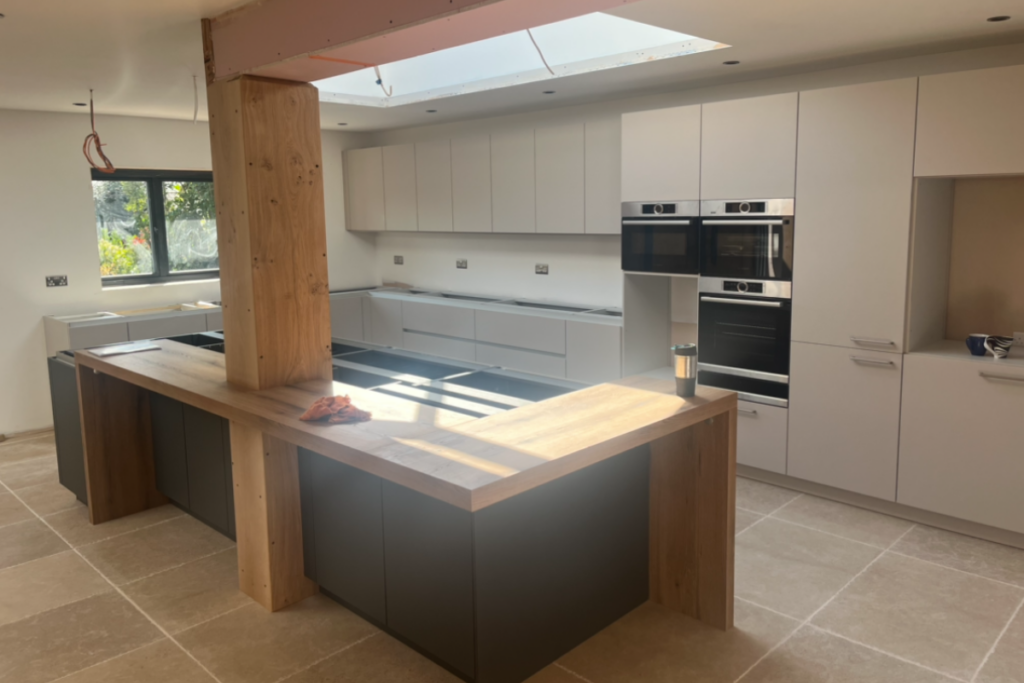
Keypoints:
pixel 158 227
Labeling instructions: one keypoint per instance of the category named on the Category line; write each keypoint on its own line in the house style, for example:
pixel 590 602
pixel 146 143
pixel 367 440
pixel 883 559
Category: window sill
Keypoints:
pixel 111 287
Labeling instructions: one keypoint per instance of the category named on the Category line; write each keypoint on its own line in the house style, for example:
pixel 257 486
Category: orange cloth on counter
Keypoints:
pixel 336 409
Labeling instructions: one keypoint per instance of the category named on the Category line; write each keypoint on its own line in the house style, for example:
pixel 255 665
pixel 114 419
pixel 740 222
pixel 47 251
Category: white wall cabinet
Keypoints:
pixel 962 439
pixel 971 123
pixel 748 148
pixel 762 434
pixel 852 231
pixel 386 321
pixel 603 176
pixel 400 188
pixel 593 352
pixel 434 186
pixel 471 184
pixel 513 190
pixel 347 317
pixel 364 189
pixel 661 154
pixel 560 180
pixel 844 418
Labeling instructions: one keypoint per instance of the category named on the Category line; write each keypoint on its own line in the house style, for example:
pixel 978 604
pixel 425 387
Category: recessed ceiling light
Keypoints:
pixel 342 124
pixel 731 62
pixel 549 92
pixel 999 18
pixel 431 111
pixel 78 104
pixel 2 16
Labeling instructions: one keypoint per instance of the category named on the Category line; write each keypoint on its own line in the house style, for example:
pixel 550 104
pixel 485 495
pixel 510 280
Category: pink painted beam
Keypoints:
pixel 306 40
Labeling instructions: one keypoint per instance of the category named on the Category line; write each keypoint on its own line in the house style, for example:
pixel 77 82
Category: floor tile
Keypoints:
pixel 999 562
pixel 654 644
pixel 251 645
pixel 19 449
pixel 27 541
pixel 845 520
pixel 70 638
pixel 30 472
pixel 380 659
pixel 795 570
pixel 46 584
pixel 11 510
pixel 744 519
pixel 812 656
pixel 181 598
pixel 161 662
pixel 756 496
pixel 1006 665
pixel 943 619
pixel 74 524
pixel 45 499
pixel 157 548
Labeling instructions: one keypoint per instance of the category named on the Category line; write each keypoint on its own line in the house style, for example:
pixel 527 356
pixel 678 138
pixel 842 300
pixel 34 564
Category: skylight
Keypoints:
pixel 592 42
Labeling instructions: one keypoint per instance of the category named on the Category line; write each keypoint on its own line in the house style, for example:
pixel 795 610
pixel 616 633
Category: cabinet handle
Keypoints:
pixel 1002 378
pixel 871 361
pixel 744 411
pixel 868 341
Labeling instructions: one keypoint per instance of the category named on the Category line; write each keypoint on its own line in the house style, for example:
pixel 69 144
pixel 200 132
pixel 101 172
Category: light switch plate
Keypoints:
pixel 399 260
pixel 541 269
pixel 461 263
pixel 56 280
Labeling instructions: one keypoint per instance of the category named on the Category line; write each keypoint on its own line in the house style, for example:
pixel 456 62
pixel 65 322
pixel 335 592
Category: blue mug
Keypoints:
pixel 976 343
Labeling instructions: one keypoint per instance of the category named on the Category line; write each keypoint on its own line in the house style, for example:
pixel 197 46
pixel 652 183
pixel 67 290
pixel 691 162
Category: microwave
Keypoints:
pixel 661 237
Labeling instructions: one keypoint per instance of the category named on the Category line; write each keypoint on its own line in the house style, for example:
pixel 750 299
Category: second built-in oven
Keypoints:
pixel 747 240
pixel 661 238
pixel 744 337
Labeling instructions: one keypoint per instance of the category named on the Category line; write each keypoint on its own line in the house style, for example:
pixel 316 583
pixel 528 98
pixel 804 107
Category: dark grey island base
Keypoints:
pixel 494 595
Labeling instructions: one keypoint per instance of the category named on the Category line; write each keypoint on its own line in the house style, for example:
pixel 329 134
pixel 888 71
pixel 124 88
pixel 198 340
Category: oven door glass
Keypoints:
pixel 748 249
pixel 669 246
pixel 744 333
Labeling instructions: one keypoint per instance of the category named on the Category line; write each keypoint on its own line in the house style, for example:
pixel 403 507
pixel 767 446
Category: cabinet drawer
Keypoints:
pixel 762 433
pixel 169 326
pixel 961 439
pixel 215 321
pixel 88 336
pixel 385 321
pixel 520 359
pixel 593 352
pixel 844 418
pixel 445 347
pixel 440 318
pixel 521 331
pixel 347 317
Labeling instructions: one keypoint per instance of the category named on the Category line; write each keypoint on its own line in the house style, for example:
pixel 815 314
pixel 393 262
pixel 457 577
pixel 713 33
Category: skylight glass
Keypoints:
pixel 591 42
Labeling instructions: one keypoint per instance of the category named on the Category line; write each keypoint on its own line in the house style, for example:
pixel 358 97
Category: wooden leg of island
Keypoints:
pixel 119 473
pixel 693 520
pixel 268 519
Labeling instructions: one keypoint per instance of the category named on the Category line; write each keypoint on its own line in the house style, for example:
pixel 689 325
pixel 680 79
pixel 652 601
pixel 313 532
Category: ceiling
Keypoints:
pixel 140 55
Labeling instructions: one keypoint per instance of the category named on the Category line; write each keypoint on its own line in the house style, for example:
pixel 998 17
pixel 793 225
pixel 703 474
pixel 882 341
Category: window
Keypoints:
pixel 155 226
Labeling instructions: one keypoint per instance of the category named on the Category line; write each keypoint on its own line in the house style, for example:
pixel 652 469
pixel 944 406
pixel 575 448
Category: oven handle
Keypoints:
pixel 743 372
pixel 742 302
pixel 626 221
pixel 711 222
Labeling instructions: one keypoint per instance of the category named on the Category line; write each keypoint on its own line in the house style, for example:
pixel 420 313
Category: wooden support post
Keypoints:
pixel 693 520
pixel 272 235
pixel 117 434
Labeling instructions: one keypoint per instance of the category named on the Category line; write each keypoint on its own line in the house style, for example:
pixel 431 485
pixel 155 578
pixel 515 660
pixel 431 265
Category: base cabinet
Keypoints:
pixel 67 427
pixel 844 418
pixel 762 433
pixel 347 317
pixel 962 439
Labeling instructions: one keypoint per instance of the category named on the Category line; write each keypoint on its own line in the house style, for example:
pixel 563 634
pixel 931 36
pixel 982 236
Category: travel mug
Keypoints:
pixel 686 369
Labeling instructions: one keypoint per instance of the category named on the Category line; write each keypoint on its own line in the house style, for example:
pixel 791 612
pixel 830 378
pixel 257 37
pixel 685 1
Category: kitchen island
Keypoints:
pixel 492 544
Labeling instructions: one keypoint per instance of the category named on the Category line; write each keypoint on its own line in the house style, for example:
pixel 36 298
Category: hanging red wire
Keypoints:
pixel 92 141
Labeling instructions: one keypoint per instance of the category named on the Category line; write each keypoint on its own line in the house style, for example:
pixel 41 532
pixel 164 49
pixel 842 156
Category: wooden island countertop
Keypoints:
pixel 468 462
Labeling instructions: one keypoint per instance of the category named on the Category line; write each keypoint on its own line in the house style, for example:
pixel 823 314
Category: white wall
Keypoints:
pixel 47 227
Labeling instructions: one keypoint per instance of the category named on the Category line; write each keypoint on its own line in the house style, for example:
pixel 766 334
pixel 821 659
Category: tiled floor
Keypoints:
pixel 824 592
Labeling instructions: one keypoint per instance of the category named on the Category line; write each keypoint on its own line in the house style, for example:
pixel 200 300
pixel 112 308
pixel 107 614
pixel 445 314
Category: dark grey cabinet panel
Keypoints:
pixel 429 567
pixel 348 536
pixel 67 426
pixel 555 565
pixel 169 448
pixel 209 468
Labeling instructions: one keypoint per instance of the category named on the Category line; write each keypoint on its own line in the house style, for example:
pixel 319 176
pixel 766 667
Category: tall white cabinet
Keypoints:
pixel 560 186
pixel 748 148
pixel 661 154
pixel 434 186
pixel 602 176
pixel 513 185
pixel 852 234
pixel 471 183
pixel 400 188
pixel 364 189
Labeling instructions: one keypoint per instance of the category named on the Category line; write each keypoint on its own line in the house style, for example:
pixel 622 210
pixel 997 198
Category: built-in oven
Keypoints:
pixel 743 337
pixel 661 237
pixel 747 240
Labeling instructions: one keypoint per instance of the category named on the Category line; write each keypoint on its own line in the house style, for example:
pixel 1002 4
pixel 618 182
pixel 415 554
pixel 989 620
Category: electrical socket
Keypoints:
pixel 1018 339
pixel 541 269
pixel 399 260
pixel 56 280
pixel 461 263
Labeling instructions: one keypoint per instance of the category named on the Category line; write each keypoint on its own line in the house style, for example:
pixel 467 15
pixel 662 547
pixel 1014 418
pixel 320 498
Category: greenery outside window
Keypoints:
pixel 155 226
